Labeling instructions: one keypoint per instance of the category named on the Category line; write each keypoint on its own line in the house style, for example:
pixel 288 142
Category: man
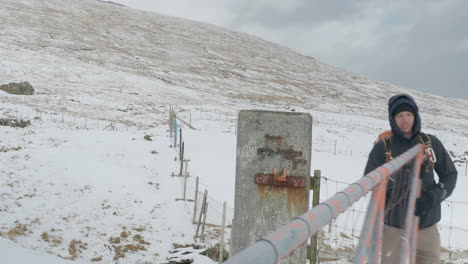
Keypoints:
pixel 405 133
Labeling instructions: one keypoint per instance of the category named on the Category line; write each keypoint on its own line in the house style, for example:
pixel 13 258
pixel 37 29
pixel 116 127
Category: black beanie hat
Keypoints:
pixel 401 108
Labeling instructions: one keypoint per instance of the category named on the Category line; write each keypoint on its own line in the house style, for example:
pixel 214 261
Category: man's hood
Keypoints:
pixel 393 103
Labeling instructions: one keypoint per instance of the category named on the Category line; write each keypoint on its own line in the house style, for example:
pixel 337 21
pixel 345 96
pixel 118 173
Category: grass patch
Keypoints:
pixel 76 247
pixel 139 229
pixel 124 234
pixel 140 239
pixel 45 236
pixel 5 149
pixel 121 250
pixel 176 245
pixel 114 240
pixel 18 230
pixel 96 259
pixel 213 253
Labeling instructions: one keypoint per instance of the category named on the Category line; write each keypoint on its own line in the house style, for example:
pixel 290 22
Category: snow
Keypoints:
pixel 83 174
pixel 17 254
pixel 92 184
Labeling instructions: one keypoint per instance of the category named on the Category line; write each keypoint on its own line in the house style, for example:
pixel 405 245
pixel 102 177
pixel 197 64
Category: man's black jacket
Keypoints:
pixel 398 186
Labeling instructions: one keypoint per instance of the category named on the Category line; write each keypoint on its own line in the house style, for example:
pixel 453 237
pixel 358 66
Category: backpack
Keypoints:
pixel 429 154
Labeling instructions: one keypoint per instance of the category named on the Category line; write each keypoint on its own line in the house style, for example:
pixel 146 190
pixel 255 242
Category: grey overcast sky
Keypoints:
pixel 420 44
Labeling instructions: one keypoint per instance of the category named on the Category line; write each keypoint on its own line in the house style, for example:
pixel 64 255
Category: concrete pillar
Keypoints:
pixel 267 140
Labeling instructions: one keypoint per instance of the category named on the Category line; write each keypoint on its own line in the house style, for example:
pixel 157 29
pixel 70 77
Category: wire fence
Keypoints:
pixel 207 212
pixel 339 239
pixel 62 120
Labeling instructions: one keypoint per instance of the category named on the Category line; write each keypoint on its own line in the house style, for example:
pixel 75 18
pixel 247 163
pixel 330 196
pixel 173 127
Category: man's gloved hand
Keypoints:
pixel 424 204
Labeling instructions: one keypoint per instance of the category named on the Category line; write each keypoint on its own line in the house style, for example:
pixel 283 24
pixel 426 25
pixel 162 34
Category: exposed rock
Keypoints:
pixel 14 122
pixel 22 88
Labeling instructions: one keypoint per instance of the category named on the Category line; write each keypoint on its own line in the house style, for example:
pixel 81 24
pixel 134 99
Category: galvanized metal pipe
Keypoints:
pixel 286 239
pixel 409 244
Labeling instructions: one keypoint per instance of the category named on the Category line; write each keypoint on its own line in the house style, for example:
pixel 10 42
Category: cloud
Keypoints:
pixel 420 45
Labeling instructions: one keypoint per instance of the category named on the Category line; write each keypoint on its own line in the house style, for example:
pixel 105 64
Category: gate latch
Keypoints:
pixel 280 180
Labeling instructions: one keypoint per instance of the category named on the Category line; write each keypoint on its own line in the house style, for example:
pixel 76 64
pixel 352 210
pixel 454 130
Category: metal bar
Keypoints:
pixel 407 246
pixel 221 243
pixel 286 239
pixel 375 244
pixel 414 240
pixel 380 225
pixel 366 233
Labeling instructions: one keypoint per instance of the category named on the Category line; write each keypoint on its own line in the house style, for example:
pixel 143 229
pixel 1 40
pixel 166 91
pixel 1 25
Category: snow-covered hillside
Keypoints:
pixel 83 184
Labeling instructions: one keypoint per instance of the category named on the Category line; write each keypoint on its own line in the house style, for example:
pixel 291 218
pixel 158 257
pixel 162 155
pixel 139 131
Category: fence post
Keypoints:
pixel 221 243
pixel 204 220
pixel 334 152
pixel 171 122
pixel 186 167
pixel 315 201
pixel 175 133
pixel 181 159
pixel 201 212
pixel 185 187
pixel 195 202
pixel 180 140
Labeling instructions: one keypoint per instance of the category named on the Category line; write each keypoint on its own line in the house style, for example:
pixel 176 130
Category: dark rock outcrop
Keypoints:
pixel 22 88
pixel 14 122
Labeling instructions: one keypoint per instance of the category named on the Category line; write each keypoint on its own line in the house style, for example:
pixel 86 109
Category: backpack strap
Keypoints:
pixel 428 150
pixel 386 137
pixel 425 139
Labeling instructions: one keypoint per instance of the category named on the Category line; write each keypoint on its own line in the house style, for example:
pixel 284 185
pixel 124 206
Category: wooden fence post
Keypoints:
pixel 181 159
pixel 195 202
pixel 221 244
pixel 315 201
pixel 171 121
pixel 204 220
pixel 180 141
pixel 201 213
pixel 175 133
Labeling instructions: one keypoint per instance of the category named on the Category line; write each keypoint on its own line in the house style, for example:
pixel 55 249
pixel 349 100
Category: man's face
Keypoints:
pixel 405 120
